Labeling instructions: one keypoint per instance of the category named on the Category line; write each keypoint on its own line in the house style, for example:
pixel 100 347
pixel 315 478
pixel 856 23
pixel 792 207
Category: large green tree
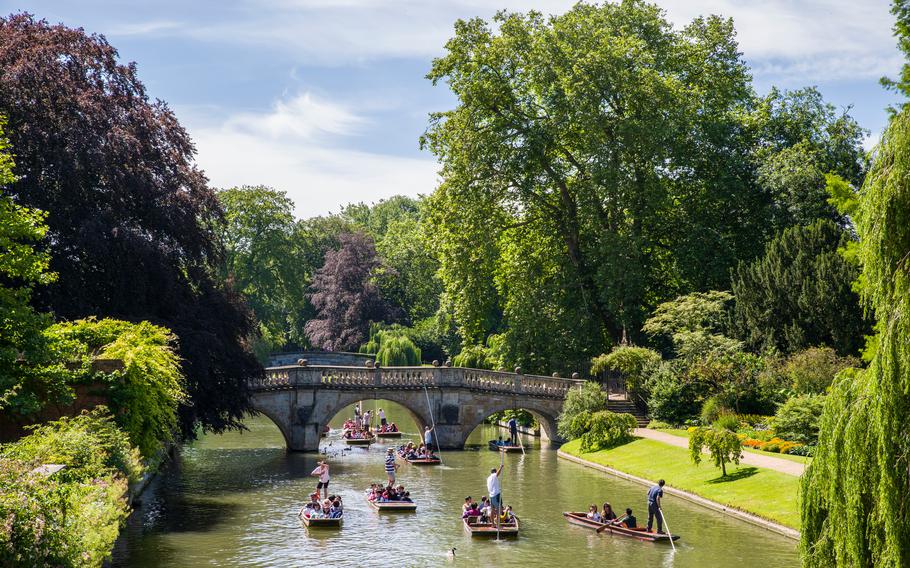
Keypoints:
pixel 799 294
pixel 855 500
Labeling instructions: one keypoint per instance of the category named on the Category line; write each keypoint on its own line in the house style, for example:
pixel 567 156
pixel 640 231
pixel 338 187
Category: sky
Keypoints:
pixel 326 99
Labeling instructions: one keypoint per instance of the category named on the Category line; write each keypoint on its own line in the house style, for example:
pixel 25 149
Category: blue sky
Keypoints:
pixel 325 99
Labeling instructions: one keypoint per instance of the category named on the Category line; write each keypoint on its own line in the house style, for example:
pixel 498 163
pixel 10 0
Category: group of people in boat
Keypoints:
pixel 483 511
pixel 328 508
pixel 357 434
pixel 388 493
pixel 388 428
pixel 607 516
pixel 504 443
pixel 412 452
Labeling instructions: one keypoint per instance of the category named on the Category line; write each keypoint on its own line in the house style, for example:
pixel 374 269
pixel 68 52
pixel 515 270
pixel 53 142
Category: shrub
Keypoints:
pixel 797 419
pixel 727 422
pixel 144 395
pixel 579 405
pixel 634 363
pixel 73 517
pixel 671 398
pixel 392 347
pixel 723 445
pixel 474 357
pixel 659 425
pixel 606 429
pixel 812 371
pixel 711 410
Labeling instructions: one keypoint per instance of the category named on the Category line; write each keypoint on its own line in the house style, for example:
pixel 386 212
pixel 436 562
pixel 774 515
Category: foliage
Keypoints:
pixel 603 429
pixel 145 395
pixel 812 371
pixel 90 445
pixel 671 398
pixel 73 517
pixel 900 9
pixel 635 364
pixel 855 507
pixel 475 357
pixel 696 323
pixel 711 410
pixel 798 419
pixel 727 421
pixel 259 259
pixel 392 347
pixel 580 404
pixel 723 445
pixel 132 223
pixel 799 294
pixel 345 296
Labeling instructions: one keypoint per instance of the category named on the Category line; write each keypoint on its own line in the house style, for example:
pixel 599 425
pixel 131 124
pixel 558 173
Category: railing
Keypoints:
pixel 293 376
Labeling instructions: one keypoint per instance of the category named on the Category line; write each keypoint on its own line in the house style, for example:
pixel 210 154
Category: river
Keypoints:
pixel 232 500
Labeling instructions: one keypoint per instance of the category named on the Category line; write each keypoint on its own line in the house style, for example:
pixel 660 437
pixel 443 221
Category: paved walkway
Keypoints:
pixel 757 460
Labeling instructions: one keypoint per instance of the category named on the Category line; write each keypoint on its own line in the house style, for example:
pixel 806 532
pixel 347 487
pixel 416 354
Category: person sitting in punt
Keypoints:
pixel 608 514
pixel 500 442
pixel 393 427
pixel 335 511
pixel 467 507
pixel 628 520
pixel 486 510
pixel 593 514
pixel 507 516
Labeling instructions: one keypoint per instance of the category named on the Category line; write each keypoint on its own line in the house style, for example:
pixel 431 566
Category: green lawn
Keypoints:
pixel 768 494
pixel 798 459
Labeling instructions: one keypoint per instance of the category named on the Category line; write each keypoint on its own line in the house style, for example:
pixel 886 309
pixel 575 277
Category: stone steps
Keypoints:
pixel 628 407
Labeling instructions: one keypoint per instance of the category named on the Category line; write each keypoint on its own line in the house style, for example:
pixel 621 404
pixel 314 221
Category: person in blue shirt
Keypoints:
pixel 654 496
pixel 513 431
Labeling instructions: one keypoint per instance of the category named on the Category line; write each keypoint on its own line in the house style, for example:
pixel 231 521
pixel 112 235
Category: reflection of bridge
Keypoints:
pixel 301 400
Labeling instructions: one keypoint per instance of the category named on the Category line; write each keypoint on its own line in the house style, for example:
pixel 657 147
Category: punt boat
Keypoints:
pixel 389 434
pixel 322 523
pixel 640 533
pixel 508 448
pixel 424 461
pixel 393 506
pixel 473 526
pixel 359 441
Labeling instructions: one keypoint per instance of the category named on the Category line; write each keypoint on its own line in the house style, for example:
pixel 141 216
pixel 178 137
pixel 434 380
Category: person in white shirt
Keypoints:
pixel 322 471
pixel 495 490
pixel 381 417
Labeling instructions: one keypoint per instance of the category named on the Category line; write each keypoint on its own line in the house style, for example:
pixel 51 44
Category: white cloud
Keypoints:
pixel 808 38
pixel 294 148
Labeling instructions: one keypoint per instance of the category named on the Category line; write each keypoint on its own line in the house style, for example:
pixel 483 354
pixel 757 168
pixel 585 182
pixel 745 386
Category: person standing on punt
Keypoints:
pixel 390 466
pixel 382 421
pixel 654 496
pixel 513 431
pixel 495 489
pixel 322 472
pixel 428 435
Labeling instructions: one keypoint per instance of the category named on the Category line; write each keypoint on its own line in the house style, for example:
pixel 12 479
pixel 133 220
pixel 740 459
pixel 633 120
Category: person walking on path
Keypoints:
pixel 513 431
pixel 654 496
pixel 391 466
pixel 495 489
pixel 322 472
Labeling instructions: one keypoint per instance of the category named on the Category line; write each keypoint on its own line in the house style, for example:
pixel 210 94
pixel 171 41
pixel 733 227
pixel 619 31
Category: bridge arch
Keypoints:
pixel 330 406
pixel 545 413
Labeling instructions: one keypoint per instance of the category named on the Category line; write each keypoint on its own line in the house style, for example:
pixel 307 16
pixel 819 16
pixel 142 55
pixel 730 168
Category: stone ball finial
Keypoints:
pixel 448 363
pixel 576 376
pixel 302 362
pixel 435 362
pixel 369 363
pixel 555 375
pixel 517 370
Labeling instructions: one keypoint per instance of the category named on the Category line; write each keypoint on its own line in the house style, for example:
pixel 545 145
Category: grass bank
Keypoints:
pixel 761 492
pixel 798 459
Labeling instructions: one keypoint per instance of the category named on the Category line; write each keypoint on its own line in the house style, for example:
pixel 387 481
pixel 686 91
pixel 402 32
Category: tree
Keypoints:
pixel 607 129
pixel 131 221
pixel 345 297
pixel 635 364
pixel 723 445
pixel 697 324
pixel 580 402
pixel 799 294
pixel 259 260
pixel 855 507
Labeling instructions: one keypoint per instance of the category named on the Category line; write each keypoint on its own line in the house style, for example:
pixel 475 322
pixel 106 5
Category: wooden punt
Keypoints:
pixel 359 441
pixel 393 506
pixel 478 529
pixel 424 461
pixel 639 533
pixel 496 447
pixel 322 523
pixel 389 434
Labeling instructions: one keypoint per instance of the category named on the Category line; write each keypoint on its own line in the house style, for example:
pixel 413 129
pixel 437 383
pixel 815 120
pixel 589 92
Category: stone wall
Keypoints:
pixel 333 358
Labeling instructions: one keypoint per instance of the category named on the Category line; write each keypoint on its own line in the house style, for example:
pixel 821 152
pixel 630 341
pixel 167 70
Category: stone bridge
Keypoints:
pixel 301 400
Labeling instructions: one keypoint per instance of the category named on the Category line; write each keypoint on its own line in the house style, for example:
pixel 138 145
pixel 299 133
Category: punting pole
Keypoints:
pixel 669 534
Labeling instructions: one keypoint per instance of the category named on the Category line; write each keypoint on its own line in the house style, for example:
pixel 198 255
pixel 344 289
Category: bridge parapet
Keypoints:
pixel 336 377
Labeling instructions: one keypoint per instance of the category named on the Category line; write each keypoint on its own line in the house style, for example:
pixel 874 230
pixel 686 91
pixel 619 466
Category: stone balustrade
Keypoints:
pixel 338 377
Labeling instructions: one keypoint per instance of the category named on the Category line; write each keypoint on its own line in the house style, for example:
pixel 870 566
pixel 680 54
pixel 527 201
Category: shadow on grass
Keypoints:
pixel 740 473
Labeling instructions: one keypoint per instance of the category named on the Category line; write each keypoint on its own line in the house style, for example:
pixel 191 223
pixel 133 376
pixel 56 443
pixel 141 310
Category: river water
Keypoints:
pixel 232 500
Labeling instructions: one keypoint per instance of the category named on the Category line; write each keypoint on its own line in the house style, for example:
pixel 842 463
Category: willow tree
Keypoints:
pixel 856 493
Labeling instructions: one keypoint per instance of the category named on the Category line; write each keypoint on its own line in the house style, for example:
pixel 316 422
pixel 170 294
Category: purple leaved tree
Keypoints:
pixel 345 297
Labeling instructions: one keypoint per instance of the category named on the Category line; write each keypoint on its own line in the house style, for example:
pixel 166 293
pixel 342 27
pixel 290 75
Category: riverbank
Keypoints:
pixel 763 497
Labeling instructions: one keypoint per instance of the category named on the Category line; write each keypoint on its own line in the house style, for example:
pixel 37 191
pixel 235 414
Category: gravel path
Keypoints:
pixel 766 462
